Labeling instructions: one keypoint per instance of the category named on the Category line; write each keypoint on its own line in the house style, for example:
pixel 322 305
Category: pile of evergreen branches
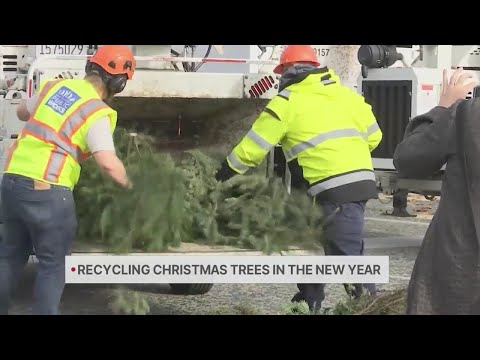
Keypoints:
pixel 392 302
pixel 176 199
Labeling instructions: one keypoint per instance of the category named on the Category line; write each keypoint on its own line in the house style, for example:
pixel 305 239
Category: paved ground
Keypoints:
pixel 395 237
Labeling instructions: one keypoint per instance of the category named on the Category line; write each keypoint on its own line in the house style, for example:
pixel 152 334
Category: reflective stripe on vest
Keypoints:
pixel 42 94
pixel 291 153
pixel 260 141
pixel 341 180
pixel 334 134
pixel 45 133
pixel 61 139
pixel 236 163
pixel 61 148
pixel 69 127
pixel 372 128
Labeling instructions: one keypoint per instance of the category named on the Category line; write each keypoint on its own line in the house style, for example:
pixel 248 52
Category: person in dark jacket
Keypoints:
pixel 445 278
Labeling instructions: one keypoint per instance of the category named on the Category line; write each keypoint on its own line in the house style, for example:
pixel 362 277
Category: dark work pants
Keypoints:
pixel 39 220
pixel 344 236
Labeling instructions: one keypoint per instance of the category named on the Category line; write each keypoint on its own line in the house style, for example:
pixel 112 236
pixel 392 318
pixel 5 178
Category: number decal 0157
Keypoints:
pixel 321 52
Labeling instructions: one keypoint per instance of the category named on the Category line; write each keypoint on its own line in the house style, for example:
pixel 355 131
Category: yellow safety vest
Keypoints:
pixel 53 142
pixel 325 128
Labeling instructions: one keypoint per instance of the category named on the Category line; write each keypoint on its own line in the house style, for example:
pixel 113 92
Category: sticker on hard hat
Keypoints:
pixel 62 100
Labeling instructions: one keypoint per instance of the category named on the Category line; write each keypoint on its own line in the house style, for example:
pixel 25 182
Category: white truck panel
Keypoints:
pixel 169 84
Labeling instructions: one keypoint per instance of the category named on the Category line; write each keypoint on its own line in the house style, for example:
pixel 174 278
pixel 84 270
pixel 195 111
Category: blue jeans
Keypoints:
pixel 43 221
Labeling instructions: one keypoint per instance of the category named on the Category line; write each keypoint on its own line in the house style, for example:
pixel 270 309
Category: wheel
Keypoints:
pixel 190 289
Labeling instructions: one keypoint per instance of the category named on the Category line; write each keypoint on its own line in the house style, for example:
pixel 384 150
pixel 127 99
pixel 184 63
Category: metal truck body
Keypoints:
pixel 169 87
pixel 408 88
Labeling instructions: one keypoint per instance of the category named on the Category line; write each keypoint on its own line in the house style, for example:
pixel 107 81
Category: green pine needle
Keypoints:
pixel 177 200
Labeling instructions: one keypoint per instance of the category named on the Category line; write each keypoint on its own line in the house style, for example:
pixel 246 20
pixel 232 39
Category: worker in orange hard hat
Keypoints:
pixel 296 54
pixel 327 132
pixel 66 122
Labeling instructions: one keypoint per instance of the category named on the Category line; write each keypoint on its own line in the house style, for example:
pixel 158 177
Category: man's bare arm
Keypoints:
pixel 100 144
pixel 111 165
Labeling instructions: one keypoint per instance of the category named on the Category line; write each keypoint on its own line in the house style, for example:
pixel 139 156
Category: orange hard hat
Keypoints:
pixel 115 60
pixel 297 53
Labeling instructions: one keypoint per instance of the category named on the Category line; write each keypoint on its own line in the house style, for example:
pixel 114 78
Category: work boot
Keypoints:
pixel 314 308
pixel 298 297
pixel 401 212
pixel 355 291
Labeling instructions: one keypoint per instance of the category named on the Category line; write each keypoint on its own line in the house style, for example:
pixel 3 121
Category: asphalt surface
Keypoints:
pixel 398 238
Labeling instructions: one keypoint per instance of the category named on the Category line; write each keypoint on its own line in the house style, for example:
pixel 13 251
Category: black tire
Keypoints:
pixel 191 289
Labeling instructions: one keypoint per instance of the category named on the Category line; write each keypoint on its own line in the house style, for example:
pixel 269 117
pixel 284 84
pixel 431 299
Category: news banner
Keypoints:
pixel 144 269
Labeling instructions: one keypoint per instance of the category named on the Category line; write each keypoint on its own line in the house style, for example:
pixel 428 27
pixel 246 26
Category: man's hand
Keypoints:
pixel 22 111
pixel 457 88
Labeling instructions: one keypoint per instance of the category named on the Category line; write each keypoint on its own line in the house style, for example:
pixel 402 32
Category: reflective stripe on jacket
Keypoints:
pixel 53 141
pixel 325 129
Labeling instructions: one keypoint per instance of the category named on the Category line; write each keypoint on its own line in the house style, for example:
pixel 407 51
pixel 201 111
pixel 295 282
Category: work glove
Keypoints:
pixel 225 172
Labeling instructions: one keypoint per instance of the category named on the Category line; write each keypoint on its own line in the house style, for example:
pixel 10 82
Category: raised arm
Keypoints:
pixel 426 144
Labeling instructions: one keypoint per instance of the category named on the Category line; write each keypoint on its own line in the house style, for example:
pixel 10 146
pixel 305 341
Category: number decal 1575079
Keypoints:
pixel 62 49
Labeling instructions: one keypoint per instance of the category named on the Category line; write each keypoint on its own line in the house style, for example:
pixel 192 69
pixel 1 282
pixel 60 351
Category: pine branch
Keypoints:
pixel 180 201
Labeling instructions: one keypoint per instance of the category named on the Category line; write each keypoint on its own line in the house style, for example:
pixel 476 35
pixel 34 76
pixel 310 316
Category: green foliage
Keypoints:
pixel 254 213
pixel 391 302
pixel 297 308
pixel 126 302
pixel 179 200
pixel 148 217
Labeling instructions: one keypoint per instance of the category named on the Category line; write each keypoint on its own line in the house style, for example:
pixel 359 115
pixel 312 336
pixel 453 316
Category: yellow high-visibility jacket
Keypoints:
pixel 327 132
